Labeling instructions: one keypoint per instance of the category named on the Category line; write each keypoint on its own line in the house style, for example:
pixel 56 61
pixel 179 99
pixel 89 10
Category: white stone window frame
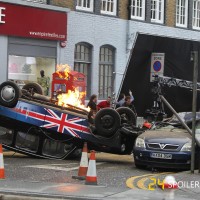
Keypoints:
pixel 196 15
pixel 107 12
pixel 157 10
pixel 136 7
pixel 90 9
pixel 179 13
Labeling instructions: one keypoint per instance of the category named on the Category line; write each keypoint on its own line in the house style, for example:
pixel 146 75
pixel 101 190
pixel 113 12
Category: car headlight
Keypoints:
pixel 187 147
pixel 140 143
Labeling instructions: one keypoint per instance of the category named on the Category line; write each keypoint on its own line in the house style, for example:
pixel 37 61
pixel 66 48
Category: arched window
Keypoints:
pixel 82 62
pixel 106 66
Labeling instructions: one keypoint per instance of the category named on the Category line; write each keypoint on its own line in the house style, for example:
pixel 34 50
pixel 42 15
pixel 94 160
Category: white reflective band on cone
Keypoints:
pixel 84 160
pixel 92 168
pixel 1 162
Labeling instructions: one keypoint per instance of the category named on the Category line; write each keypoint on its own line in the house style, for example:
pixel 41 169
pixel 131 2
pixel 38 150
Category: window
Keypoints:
pixel 23 69
pixel 86 5
pixel 106 65
pixel 138 9
pixel 109 7
pixel 82 62
pixel 196 14
pixel 157 11
pixel 181 13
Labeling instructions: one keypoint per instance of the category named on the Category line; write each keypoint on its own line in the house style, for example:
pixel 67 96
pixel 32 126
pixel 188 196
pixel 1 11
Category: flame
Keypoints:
pixel 63 71
pixel 72 97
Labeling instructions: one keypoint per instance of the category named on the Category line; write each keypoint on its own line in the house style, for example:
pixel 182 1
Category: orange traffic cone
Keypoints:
pixel 169 186
pixel 91 177
pixel 83 164
pixel 2 172
pixel 170 182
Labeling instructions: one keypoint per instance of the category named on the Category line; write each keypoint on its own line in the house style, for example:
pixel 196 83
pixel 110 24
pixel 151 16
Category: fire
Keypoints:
pixel 72 97
pixel 63 71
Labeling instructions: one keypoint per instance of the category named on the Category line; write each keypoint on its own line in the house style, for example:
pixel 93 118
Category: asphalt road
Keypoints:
pixel 112 170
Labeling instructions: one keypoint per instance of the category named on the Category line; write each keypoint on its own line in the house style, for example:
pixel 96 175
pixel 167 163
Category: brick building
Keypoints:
pixel 109 28
pixel 102 34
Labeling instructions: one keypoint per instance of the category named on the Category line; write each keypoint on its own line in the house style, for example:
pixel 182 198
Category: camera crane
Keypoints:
pixel 159 81
pixel 168 81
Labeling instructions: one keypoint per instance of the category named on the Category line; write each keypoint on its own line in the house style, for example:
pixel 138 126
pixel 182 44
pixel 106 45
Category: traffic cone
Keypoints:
pixel 2 172
pixel 170 182
pixel 169 186
pixel 91 177
pixel 83 164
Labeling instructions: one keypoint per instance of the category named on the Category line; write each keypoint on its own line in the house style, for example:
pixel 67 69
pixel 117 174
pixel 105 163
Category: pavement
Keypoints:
pixel 27 190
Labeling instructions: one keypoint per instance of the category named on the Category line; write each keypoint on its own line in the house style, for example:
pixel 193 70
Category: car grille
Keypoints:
pixel 162 146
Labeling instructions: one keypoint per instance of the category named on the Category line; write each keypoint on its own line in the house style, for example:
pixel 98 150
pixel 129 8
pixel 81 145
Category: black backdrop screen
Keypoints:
pixel 177 65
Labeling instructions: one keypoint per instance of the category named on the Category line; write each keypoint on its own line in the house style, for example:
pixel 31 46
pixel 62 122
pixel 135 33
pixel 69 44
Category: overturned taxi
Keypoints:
pixel 36 125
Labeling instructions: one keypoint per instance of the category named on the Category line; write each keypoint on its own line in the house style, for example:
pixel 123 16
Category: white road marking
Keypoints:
pixel 63 164
pixel 50 167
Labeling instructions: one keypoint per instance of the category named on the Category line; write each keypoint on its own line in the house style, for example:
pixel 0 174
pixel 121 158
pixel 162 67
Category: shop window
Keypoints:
pixel 157 11
pixel 108 7
pixel 196 14
pixel 138 9
pixel 106 65
pixel 23 69
pixel 181 13
pixel 86 5
pixel 82 62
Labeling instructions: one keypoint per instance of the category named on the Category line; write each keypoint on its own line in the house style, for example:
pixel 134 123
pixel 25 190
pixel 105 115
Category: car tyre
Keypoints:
pixel 9 94
pixel 107 122
pixel 75 154
pixel 139 166
pixel 33 87
pixel 127 115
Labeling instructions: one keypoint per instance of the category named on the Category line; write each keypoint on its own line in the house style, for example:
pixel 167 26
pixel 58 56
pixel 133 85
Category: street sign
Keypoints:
pixel 157 64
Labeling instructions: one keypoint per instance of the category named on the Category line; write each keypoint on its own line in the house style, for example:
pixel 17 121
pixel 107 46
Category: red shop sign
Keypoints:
pixel 24 21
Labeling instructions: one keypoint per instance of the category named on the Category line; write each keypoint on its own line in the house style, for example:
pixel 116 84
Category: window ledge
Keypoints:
pixel 181 25
pixel 84 9
pixel 138 18
pixel 157 21
pixel 108 13
pixel 196 28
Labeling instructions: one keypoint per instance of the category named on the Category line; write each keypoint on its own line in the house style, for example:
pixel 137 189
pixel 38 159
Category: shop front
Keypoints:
pixel 30 39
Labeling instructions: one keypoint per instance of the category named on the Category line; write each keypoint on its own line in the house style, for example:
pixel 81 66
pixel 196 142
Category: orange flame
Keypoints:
pixel 63 71
pixel 71 97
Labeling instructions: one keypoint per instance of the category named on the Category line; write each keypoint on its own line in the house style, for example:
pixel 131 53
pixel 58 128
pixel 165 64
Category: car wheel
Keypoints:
pixel 75 154
pixel 139 166
pixel 9 94
pixel 127 115
pixel 33 87
pixel 107 122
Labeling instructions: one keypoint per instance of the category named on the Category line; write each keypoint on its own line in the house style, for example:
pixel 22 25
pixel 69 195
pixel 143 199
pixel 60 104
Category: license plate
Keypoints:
pixel 161 155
